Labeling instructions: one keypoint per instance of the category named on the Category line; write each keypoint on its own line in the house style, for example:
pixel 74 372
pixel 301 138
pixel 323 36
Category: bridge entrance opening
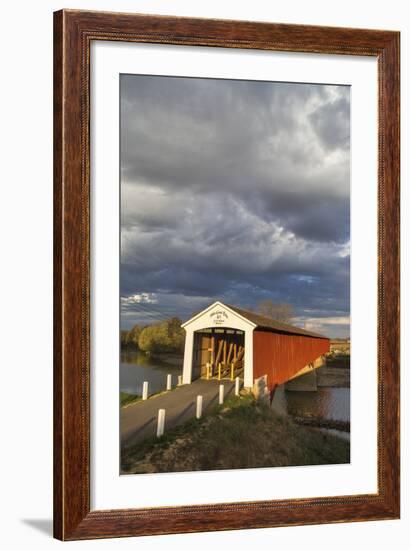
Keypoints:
pixel 218 353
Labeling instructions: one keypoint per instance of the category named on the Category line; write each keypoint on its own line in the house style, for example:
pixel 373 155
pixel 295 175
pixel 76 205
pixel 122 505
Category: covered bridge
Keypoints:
pixel 226 339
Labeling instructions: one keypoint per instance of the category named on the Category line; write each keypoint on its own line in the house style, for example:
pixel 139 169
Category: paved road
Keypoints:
pixel 139 421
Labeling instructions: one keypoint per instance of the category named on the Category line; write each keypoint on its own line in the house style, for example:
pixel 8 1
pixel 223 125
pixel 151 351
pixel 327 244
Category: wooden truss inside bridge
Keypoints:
pixel 218 353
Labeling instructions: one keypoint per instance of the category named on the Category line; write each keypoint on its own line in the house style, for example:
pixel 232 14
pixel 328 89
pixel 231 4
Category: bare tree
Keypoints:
pixel 282 312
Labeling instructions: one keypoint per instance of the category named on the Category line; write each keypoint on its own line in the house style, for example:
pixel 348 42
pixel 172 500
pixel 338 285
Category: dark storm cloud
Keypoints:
pixel 332 123
pixel 234 190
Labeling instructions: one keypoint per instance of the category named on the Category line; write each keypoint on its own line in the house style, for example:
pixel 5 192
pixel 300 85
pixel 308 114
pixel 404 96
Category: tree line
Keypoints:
pixel 162 337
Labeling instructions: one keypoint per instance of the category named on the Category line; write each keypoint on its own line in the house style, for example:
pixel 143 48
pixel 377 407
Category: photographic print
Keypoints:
pixel 234 274
pixel 203 284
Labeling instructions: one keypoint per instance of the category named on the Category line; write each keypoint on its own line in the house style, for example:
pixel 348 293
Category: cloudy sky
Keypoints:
pixel 235 191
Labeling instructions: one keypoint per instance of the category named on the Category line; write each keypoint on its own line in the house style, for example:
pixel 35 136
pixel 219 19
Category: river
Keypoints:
pixel 137 367
pixel 325 403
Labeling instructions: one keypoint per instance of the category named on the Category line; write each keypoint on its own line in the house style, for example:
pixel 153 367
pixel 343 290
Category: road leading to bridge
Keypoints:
pixel 139 421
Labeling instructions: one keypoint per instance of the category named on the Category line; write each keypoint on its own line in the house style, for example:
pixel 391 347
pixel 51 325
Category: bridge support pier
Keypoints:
pixel 306 382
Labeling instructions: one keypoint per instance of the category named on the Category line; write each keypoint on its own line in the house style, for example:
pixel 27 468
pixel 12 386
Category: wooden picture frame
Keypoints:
pixel 74 32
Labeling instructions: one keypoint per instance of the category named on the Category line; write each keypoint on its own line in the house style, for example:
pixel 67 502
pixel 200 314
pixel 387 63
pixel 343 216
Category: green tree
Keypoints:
pixel 129 338
pixel 154 338
pixel 133 335
pixel 124 338
pixel 176 334
pixel 163 337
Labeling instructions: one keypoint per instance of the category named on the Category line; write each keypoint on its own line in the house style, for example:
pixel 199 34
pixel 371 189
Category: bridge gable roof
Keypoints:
pixel 195 319
pixel 259 321
pixel 266 323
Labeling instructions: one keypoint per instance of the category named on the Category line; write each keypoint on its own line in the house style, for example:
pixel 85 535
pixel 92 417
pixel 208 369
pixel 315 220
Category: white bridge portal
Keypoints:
pixel 217 321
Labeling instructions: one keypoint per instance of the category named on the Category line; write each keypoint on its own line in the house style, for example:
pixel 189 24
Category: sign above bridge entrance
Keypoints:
pixel 219 317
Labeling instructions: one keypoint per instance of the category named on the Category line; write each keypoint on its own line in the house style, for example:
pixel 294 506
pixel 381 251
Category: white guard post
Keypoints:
pixel 218 315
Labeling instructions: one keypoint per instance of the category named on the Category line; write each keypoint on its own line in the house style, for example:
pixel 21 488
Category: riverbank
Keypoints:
pixel 319 422
pixel 341 360
pixel 127 399
pixel 333 377
pixel 243 433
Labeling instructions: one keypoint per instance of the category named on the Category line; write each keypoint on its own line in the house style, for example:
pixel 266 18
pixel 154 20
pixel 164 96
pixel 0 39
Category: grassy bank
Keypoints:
pixel 128 398
pixel 242 434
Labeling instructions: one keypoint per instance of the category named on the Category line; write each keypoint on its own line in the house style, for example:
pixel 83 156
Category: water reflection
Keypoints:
pixel 137 367
pixel 326 403
pixel 329 403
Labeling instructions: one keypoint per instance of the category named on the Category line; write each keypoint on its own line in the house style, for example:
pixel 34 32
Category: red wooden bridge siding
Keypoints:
pixel 281 356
